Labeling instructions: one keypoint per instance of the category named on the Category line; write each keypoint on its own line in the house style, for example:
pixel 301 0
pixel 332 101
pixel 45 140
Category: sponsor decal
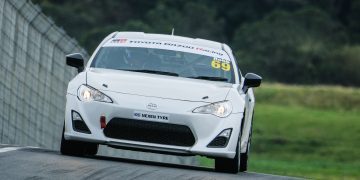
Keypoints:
pixel 223 64
pixel 152 44
pixel 179 45
pixel 152 116
pixel 119 40
pixel 144 42
pixel 209 51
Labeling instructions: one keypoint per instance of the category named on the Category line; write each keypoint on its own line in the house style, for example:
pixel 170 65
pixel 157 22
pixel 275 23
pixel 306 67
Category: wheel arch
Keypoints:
pixel 247 120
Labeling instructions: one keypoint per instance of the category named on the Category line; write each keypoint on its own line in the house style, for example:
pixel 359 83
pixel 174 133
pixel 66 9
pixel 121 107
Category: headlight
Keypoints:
pixel 87 93
pixel 220 109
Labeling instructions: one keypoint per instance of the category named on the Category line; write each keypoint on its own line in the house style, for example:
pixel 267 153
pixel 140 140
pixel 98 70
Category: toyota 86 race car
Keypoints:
pixel 161 93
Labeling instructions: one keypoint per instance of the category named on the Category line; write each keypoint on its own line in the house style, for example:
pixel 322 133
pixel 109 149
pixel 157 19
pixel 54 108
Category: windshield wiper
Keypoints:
pixel 210 78
pixel 151 71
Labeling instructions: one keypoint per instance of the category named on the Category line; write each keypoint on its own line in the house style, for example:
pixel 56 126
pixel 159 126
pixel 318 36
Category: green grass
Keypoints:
pixel 320 97
pixel 306 139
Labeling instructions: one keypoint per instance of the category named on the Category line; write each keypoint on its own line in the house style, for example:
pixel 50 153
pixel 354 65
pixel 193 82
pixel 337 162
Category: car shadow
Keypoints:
pixel 151 163
pixel 125 160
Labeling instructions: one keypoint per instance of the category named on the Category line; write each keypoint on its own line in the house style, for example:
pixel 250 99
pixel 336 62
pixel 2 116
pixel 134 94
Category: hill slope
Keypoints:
pixel 306 131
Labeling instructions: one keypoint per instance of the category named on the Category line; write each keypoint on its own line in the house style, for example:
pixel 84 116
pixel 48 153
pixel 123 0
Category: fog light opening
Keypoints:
pixel 221 140
pixel 225 133
pixel 78 123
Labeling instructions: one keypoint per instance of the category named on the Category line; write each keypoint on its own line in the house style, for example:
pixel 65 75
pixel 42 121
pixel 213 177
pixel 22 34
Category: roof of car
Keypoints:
pixel 173 38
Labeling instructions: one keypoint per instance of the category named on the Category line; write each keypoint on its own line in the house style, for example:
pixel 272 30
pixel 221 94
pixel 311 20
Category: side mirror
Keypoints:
pixel 251 80
pixel 75 60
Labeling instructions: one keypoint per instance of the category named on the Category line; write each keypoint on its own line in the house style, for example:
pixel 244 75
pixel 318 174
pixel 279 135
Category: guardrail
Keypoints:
pixel 33 75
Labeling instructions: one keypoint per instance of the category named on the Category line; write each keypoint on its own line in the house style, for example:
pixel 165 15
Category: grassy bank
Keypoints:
pixel 316 137
pixel 319 97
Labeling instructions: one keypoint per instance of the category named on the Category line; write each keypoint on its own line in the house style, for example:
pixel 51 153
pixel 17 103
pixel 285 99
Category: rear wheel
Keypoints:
pixel 77 148
pixel 229 165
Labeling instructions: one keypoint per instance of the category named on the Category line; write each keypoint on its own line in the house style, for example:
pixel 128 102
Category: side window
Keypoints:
pixel 240 75
pixel 238 69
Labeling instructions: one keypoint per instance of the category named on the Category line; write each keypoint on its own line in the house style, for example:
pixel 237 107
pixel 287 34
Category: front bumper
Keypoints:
pixel 204 127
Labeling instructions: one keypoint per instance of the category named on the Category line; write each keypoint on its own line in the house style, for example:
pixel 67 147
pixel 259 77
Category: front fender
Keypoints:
pixel 237 100
pixel 75 83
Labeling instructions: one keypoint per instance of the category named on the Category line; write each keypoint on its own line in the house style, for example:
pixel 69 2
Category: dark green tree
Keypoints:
pixel 289 47
pixel 292 41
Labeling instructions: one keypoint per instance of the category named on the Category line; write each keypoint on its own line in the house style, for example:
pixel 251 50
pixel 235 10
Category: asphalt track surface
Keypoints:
pixel 36 163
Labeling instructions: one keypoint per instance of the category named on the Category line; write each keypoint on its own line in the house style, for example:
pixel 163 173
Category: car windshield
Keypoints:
pixel 165 62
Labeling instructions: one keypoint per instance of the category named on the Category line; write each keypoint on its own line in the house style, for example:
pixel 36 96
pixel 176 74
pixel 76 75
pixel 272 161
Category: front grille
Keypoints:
pixel 148 131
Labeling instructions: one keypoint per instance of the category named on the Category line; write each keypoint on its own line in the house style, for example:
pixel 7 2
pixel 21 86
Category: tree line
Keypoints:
pixel 290 41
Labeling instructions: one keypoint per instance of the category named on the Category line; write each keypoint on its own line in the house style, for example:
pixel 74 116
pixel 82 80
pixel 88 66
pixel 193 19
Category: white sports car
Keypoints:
pixel 161 93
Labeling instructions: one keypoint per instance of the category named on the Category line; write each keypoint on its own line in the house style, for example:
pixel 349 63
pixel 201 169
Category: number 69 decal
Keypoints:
pixel 220 64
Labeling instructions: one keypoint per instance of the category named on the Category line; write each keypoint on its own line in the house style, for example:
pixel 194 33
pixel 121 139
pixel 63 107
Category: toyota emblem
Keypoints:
pixel 152 106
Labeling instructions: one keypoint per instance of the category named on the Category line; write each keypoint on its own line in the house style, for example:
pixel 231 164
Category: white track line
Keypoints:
pixel 7 149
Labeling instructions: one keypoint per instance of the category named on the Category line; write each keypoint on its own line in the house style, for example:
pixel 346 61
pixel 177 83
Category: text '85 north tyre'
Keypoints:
pixel 77 148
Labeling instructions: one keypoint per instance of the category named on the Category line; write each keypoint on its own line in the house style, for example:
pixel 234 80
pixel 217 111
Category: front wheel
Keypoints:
pixel 244 157
pixel 244 162
pixel 229 165
pixel 77 148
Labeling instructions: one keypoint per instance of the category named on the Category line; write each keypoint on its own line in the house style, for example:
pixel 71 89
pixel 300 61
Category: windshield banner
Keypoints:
pixel 175 46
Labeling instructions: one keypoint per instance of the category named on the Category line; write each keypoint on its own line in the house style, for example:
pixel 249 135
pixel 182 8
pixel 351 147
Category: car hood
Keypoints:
pixel 161 86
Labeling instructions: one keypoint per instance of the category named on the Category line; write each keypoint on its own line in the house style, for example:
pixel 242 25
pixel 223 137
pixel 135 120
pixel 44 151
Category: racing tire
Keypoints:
pixel 229 165
pixel 244 162
pixel 244 157
pixel 77 148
